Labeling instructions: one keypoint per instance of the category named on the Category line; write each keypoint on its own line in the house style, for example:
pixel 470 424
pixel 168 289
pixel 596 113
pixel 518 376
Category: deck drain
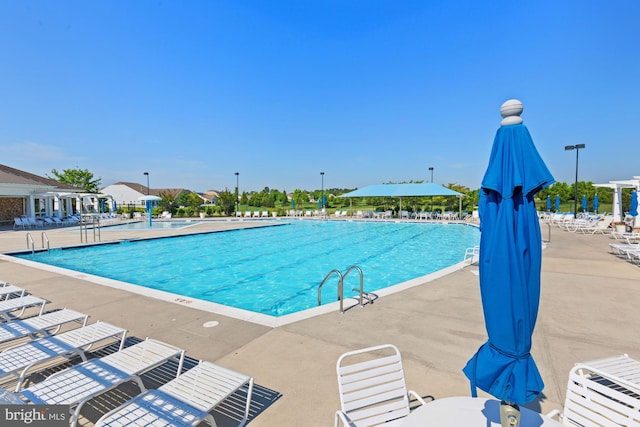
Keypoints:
pixel 210 324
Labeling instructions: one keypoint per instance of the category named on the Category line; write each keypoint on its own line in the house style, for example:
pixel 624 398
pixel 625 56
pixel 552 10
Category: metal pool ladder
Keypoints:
pixel 369 297
pixel 31 243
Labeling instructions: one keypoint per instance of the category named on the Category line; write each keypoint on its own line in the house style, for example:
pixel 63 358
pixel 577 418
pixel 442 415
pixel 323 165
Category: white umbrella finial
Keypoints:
pixel 510 111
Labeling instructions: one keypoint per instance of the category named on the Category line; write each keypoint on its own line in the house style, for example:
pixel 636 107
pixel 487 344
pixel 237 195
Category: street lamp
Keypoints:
pixel 576 147
pixel 147 174
pixel 431 198
pixel 322 195
pixel 237 189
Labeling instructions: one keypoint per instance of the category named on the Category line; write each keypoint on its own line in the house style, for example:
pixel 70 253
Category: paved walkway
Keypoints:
pixel 589 309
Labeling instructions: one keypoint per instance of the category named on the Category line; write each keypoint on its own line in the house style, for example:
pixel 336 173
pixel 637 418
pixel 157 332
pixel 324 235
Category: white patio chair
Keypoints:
pixel 183 401
pixel 471 255
pixel 602 393
pixel 17 360
pixel 78 384
pixel 372 388
pixel 45 324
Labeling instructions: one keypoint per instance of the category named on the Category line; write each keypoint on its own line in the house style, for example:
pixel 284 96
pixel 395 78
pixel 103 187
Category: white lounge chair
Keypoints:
pixel 7 307
pixel 48 221
pixel 7 291
pixel 265 214
pixel 372 388
pixel 33 223
pixel 45 324
pixel 599 225
pixel 17 360
pixel 602 393
pixel 183 401
pixel 78 384
pixel 18 222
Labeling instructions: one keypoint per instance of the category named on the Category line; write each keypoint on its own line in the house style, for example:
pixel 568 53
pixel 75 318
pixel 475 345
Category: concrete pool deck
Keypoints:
pixel 589 309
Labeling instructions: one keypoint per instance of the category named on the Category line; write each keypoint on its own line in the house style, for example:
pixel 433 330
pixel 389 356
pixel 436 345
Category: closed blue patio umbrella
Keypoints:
pixel 509 263
pixel 548 203
pixel 596 203
pixel 584 203
pixel 558 203
pixel 633 208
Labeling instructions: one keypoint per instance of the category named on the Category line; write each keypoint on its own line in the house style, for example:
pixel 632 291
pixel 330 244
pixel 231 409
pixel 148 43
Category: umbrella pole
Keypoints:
pixel 509 414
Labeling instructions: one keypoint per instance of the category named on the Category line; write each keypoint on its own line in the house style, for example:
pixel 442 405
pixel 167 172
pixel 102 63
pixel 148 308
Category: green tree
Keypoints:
pixel 168 202
pixel 194 200
pixel 80 178
pixel 227 202
pixel 300 197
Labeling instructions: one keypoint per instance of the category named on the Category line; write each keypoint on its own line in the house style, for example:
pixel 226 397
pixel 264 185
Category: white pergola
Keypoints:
pixel 617 187
pixel 61 204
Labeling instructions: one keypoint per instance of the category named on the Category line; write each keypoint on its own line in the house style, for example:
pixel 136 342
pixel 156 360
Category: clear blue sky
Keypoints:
pixel 366 91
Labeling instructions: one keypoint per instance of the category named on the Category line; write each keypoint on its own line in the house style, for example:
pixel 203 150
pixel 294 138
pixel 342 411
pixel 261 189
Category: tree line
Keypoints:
pixel 228 202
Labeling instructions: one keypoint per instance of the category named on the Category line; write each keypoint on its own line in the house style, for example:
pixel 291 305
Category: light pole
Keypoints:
pixel 237 189
pixel 431 170
pixel 322 195
pixel 576 147
pixel 147 174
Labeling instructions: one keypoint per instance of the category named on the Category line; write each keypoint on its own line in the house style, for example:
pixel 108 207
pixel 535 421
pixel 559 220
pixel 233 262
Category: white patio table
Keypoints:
pixel 470 412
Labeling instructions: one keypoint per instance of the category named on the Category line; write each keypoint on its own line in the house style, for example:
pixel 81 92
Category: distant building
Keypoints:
pixel 211 196
pixel 25 194
pixel 129 193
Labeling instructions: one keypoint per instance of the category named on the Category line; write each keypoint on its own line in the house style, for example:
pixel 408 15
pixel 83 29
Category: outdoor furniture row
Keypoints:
pixel 186 399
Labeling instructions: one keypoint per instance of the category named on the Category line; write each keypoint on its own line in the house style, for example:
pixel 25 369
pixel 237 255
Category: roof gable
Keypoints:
pixel 9 175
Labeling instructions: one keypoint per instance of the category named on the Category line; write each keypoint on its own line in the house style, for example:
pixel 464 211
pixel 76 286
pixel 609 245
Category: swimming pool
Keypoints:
pixel 274 270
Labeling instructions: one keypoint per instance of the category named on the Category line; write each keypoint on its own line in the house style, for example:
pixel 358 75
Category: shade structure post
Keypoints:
pixel 509 264
pixel 149 205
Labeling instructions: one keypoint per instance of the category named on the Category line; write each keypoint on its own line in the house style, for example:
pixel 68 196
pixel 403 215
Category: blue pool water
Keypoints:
pixel 274 270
